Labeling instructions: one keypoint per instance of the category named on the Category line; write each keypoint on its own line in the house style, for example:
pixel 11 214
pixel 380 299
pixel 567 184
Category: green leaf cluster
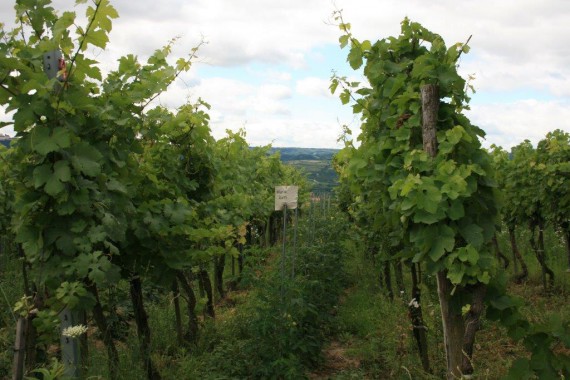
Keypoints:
pixel 535 182
pixel 443 206
pixel 103 185
pixel 443 211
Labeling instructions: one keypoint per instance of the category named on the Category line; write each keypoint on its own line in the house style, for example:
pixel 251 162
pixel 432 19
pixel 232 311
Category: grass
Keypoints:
pixel 374 331
pixel 375 336
pixel 11 290
pixel 368 336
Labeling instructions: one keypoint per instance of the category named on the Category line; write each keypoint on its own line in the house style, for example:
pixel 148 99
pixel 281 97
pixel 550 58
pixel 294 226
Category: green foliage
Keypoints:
pixel 375 330
pixel 54 371
pixel 73 295
pixel 444 206
pixel 439 211
pixel 535 181
pixel 290 319
pixel 539 338
pixel 279 331
pixel 65 164
pixel 46 323
pixel 100 185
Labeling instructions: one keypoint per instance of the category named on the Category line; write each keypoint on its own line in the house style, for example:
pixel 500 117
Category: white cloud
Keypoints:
pixel 273 91
pixel 495 73
pixel 511 123
pixel 517 46
pixel 283 132
pixel 313 86
pixel 6 117
pixel 237 32
pixel 277 76
pixel 237 98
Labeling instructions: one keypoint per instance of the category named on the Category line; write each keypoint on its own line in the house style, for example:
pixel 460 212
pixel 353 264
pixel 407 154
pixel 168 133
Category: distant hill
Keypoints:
pixel 316 163
pixel 5 140
pixel 295 154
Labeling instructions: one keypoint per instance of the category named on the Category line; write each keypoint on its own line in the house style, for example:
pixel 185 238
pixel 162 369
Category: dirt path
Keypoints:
pixel 336 361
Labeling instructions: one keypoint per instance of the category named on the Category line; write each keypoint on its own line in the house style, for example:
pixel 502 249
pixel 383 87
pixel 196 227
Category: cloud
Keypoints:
pixel 277 76
pixel 314 86
pixel 283 132
pixel 514 45
pixel 275 32
pixel 508 124
pixel 494 73
pixel 7 117
pixel 273 91
pixel 517 46
pixel 234 97
pixel 237 32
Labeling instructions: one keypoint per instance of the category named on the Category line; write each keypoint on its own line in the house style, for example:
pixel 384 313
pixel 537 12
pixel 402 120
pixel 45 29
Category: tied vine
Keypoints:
pixel 433 194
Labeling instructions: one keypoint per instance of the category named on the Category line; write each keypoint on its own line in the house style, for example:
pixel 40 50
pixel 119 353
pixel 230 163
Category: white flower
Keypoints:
pixel 414 303
pixel 43 119
pixel 74 331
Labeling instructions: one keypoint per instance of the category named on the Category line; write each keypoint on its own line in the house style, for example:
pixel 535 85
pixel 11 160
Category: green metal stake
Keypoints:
pixel 70 354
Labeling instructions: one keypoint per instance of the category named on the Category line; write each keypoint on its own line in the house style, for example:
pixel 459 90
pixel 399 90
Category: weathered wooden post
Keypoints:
pixel 453 325
pixel 19 350
pixel 458 332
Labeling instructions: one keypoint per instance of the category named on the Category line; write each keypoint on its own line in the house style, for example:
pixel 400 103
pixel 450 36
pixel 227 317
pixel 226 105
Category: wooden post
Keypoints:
pixel 19 350
pixel 430 109
pixel 177 314
pixel 190 306
pixel 453 325
pixel 143 329
pixel 417 318
pixel 104 329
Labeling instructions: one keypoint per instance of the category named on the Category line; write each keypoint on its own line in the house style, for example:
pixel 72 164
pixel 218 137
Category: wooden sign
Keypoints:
pixel 286 196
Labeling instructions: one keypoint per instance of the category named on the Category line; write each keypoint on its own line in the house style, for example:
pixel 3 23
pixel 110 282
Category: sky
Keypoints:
pixel 266 66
